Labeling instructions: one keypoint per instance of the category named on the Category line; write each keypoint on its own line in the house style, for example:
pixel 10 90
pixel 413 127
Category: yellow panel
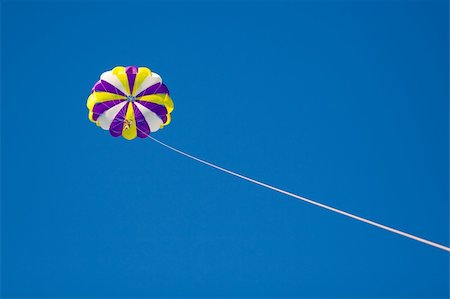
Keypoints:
pixel 103 96
pixel 131 132
pixel 168 103
pixel 91 114
pixel 154 98
pixel 119 71
pixel 91 101
pixel 160 99
pixel 143 73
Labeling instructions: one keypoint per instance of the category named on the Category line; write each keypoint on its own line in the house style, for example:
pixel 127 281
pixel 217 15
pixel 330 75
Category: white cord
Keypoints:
pixel 393 230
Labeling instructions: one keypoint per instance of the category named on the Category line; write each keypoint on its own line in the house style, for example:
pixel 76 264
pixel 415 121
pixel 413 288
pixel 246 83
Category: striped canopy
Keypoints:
pixel 130 101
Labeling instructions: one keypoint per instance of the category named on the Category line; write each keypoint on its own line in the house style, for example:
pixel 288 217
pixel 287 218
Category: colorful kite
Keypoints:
pixel 130 101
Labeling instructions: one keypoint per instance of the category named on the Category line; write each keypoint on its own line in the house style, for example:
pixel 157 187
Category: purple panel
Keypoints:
pixel 99 108
pixel 95 85
pixel 154 89
pixel 163 118
pixel 102 85
pixel 158 109
pixel 163 89
pixel 131 78
pixel 143 130
pixel 149 90
pixel 131 70
pixel 116 127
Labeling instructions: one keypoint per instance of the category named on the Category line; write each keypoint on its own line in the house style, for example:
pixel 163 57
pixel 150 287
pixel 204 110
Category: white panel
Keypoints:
pixel 113 80
pixel 149 81
pixel 108 116
pixel 151 117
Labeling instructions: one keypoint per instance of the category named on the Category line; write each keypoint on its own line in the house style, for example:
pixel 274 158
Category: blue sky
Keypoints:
pixel 342 102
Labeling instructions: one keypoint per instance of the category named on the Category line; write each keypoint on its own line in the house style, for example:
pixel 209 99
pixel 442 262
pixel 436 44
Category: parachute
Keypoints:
pixel 133 102
pixel 130 101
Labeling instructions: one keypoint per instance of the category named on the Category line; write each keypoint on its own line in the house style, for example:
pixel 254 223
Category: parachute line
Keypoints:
pixel 373 223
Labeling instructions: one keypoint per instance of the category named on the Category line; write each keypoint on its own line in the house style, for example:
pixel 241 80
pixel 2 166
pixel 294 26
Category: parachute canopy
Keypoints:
pixel 130 101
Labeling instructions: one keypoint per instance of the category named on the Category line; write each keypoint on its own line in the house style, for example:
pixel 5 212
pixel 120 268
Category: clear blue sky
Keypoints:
pixel 342 102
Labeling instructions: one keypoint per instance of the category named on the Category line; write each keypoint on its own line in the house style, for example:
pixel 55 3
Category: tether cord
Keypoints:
pixel 387 228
